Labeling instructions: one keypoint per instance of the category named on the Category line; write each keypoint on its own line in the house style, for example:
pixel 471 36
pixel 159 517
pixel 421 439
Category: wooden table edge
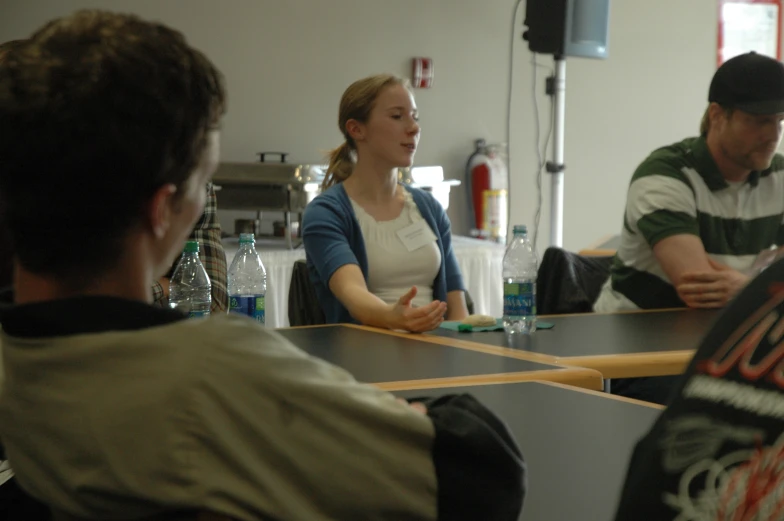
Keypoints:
pixel 602 240
pixel 452 342
pixel 598 252
pixel 309 327
pixel 609 366
pixel 605 395
pixel 619 312
pixel 618 366
pixel 465 344
pixel 577 377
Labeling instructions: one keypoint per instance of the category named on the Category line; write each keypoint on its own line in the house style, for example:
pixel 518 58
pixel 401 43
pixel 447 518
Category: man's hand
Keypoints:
pixel 711 289
pixel 417 406
pixel 416 319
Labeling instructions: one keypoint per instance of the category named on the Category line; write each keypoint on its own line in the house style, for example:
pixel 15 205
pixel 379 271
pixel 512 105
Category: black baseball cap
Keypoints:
pixel 750 82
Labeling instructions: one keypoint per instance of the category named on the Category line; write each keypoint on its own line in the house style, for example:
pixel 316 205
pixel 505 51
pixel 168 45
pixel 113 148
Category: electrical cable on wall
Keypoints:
pixel 509 117
pixel 577 28
pixel 540 153
pixel 540 161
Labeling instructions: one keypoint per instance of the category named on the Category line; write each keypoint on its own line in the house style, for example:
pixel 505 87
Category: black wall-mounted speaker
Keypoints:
pixel 568 27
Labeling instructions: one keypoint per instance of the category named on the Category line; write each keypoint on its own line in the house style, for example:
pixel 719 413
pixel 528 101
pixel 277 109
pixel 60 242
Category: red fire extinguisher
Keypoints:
pixel 487 178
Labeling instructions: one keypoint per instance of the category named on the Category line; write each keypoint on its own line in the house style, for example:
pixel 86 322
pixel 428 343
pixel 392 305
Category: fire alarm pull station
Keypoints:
pixel 422 77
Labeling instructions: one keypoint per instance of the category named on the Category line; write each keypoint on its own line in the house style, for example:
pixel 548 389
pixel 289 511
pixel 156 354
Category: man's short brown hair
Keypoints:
pixel 705 122
pixel 98 110
pixel 8 46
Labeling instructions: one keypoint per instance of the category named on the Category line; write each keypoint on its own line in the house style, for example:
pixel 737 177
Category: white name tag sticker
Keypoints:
pixel 416 235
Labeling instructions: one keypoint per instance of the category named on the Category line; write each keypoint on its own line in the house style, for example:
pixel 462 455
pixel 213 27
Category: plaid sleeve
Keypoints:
pixel 208 232
pixel 158 297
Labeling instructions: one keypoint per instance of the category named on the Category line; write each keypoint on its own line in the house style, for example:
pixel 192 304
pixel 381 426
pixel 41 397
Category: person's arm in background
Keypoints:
pixel 330 252
pixel 348 285
pixel 208 233
pixel 663 209
pixel 700 281
pixel 160 289
pixel 211 253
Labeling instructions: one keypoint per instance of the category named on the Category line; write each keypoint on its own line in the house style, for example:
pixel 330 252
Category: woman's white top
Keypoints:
pixel 401 253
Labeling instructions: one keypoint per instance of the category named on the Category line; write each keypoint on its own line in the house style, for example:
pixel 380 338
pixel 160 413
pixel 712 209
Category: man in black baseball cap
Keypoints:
pixel 750 82
pixel 699 212
pixel 743 121
pixel 716 452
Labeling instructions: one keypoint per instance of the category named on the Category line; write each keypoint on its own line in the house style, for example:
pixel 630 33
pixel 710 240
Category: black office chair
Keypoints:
pixel 469 303
pixel 304 309
pixel 568 282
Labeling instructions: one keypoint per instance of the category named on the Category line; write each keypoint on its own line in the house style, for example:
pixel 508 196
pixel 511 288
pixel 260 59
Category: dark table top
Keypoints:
pixel 576 445
pixel 374 356
pixel 604 334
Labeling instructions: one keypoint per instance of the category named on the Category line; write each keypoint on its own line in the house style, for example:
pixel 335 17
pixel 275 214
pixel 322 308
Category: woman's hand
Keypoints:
pixel 402 315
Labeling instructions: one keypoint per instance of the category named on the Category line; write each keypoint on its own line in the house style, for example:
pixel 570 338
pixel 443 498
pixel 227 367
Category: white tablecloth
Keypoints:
pixel 480 263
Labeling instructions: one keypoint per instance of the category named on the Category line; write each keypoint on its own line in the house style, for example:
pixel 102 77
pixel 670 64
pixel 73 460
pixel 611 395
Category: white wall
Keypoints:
pixel 288 61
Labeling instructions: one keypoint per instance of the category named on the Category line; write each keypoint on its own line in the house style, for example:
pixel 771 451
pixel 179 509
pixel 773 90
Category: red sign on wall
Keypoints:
pixel 749 25
pixel 422 73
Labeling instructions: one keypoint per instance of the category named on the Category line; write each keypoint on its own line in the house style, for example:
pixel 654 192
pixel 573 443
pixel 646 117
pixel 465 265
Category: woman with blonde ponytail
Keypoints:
pixel 379 252
pixel 340 165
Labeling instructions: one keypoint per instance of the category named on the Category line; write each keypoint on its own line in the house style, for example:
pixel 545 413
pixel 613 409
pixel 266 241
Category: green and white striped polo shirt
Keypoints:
pixel 678 189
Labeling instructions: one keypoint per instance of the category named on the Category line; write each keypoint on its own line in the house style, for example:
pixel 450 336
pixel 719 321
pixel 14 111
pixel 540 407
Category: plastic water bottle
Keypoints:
pixel 190 290
pixel 519 273
pixel 247 281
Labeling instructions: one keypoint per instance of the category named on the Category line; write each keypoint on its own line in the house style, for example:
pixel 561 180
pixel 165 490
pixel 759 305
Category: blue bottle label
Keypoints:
pixel 249 306
pixel 519 299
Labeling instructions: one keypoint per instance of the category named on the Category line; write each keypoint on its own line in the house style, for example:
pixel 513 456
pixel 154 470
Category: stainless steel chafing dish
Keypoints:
pixel 431 179
pixel 266 186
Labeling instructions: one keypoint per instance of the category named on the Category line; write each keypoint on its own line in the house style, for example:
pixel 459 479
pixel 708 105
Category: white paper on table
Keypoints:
pixel 765 259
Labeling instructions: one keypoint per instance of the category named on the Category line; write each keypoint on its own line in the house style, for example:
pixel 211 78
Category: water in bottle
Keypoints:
pixel 247 281
pixel 190 290
pixel 519 274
